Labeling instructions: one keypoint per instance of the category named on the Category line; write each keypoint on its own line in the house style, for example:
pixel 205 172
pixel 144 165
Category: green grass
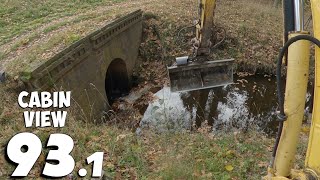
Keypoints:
pixel 41 13
pixel 161 156
pixel 35 35
pixel 37 53
pixel 150 155
pixel 33 55
pixel 63 23
pixel 17 17
pixel 2 54
pixel 20 21
pixel 182 155
pixel 23 41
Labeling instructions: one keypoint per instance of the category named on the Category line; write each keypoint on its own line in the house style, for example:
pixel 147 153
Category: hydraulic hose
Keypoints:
pixel 282 116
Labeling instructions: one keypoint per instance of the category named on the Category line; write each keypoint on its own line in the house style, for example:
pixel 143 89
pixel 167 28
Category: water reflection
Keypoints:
pixel 167 112
pixel 250 103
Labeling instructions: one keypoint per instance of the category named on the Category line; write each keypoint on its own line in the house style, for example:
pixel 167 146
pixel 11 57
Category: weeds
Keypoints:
pixel 168 155
pixel 22 16
pixel 147 155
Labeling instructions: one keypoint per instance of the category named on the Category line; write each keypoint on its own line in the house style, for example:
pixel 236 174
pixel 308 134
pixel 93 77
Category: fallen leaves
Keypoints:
pixel 122 136
pixel 263 164
pixel 229 168
pixel 230 154
pixel 305 129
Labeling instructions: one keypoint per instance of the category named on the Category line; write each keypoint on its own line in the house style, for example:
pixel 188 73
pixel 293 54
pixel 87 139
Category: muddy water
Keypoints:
pixel 249 103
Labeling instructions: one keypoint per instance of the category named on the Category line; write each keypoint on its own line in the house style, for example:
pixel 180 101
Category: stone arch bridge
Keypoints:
pixel 95 69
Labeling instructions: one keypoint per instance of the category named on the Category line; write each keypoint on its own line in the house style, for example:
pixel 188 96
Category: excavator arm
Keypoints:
pixel 293 103
pixel 204 29
pixel 198 71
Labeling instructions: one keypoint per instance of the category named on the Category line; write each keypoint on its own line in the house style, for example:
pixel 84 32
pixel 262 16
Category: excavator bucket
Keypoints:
pixel 201 75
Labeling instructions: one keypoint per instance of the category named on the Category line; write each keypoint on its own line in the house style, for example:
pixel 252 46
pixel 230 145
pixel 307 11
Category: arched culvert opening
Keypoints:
pixel 117 82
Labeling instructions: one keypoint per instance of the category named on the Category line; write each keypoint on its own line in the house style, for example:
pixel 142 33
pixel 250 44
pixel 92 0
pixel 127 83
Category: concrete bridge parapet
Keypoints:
pixel 95 68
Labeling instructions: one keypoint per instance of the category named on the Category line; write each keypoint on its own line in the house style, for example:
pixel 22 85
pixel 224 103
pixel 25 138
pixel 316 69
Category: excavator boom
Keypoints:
pixel 292 103
pixel 199 71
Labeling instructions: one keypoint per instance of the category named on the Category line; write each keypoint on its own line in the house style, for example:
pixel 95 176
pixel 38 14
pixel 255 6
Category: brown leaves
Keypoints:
pixel 305 129
pixel 122 137
pixel 263 164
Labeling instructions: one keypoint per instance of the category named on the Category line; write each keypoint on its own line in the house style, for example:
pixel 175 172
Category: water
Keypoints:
pixel 250 103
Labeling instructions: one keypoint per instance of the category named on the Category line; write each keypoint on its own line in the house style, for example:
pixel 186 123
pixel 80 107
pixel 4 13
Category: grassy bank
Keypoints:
pixel 147 155
pixel 200 154
pixel 33 31
pixel 18 17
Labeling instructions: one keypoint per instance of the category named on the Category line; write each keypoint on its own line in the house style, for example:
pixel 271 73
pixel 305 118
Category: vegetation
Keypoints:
pixel 32 31
pixel 147 155
pixel 18 17
pixel 28 25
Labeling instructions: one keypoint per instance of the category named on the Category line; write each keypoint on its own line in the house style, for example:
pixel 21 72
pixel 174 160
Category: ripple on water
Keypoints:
pixel 250 103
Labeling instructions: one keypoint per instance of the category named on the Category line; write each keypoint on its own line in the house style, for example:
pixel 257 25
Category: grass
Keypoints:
pixel 23 32
pixel 94 17
pixel 31 55
pixel 50 47
pixel 76 20
pixel 1 55
pixel 147 155
pixel 180 155
pixel 207 156
pixel 33 31
pixel 21 16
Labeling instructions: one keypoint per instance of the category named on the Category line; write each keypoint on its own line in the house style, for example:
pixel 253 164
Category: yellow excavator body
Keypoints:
pixel 294 103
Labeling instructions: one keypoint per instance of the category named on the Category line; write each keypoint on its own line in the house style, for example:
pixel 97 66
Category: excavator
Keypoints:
pixel 200 72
